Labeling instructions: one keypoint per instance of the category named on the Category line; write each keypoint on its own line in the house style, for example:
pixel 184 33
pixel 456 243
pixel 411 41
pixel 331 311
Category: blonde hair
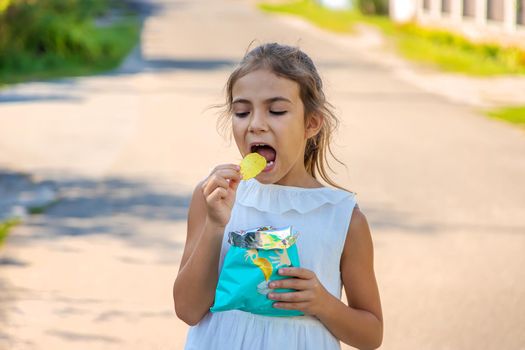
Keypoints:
pixel 293 64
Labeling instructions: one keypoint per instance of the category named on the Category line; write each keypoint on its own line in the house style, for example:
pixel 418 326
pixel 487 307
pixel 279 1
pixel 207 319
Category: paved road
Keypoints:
pixel 441 185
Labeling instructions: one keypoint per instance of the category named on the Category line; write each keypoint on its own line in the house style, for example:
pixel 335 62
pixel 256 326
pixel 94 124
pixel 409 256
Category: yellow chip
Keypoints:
pixel 252 165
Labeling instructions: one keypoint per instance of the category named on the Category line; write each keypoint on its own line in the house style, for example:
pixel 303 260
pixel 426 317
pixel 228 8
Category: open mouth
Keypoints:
pixel 267 151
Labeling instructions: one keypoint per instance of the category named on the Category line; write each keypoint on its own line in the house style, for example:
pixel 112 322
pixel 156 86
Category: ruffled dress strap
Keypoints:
pixel 278 199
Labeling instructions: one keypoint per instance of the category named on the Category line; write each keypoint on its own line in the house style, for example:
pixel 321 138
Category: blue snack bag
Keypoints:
pixel 251 263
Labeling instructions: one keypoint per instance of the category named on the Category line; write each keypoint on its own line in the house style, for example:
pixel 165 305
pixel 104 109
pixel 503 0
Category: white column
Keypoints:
pixel 481 12
pixel 419 5
pixel 422 16
pixel 336 4
pixel 510 15
pixel 457 10
pixel 403 10
pixel 435 9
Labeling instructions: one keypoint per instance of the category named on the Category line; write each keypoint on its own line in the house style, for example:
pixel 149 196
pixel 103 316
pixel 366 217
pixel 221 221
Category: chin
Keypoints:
pixel 265 179
pixel 269 178
pixel 266 182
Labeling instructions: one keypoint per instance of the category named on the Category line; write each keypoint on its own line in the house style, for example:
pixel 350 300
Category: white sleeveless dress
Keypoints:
pixel 322 217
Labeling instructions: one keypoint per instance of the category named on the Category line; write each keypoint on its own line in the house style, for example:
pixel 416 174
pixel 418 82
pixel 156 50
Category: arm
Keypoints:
pixel 360 324
pixel 210 209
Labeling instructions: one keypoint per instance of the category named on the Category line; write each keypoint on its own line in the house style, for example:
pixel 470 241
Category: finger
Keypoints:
pixel 290 283
pixel 234 185
pixel 225 178
pixel 214 182
pixel 229 174
pixel 226 173
pixel 290 306
pixel 291 297
pixel 217 195
pixel 297 272
pixel 234 167
pixel 235 170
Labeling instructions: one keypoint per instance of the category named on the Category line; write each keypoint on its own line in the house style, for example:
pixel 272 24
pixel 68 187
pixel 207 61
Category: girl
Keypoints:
pixel 278 109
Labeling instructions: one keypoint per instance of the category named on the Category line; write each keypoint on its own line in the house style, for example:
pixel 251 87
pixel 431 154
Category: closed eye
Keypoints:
pixel 242 114
pixel 278 112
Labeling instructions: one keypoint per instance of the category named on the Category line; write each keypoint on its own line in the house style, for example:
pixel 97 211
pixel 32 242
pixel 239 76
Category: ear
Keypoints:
pixel 313 125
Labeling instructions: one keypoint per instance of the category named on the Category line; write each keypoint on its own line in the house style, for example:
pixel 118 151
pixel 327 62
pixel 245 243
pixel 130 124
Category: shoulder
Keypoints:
pixel 358 221
pixel 197 205
pixel 195 221
pixel 358 243
pixel 197 194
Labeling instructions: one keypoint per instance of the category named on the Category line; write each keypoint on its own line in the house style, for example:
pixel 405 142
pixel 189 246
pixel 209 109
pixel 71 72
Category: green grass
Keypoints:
pixel 337 21
pixel 514 115
pixel 56 38
pixel 435 47
pixel 454 53
pixel 4 4
pixel 4 228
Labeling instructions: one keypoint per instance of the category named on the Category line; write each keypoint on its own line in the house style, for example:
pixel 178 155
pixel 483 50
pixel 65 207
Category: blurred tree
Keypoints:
pixel 4 4
pixel 48 38
pixel 373 7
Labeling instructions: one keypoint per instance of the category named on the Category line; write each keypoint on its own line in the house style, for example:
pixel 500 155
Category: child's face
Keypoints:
pixel 267 110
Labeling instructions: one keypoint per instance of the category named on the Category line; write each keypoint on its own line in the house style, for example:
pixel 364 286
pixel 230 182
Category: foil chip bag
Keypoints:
pixel 251 263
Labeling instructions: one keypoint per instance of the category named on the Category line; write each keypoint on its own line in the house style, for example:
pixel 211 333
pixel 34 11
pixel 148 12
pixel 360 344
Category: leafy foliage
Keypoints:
pixel 4 228
pixel 373 7
pixel 41 38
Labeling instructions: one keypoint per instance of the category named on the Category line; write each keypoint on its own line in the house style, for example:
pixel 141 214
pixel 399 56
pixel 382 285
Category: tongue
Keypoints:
pixel 267 152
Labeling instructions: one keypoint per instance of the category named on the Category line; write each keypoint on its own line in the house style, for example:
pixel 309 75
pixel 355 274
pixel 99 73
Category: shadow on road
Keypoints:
pixel 83 337
pixel 86 198
pixel 126 209
pixel 139 213
pixel 8 296
pixel 194 64
pixel 388 219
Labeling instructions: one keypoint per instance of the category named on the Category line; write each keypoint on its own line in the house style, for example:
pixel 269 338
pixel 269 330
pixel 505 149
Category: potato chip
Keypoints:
pixel 252 165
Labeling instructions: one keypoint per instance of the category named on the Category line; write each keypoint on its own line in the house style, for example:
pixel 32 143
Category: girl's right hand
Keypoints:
pixel 219 190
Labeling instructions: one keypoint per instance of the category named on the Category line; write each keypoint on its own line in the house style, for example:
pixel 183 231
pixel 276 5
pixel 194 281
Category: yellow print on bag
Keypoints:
pixel 280 259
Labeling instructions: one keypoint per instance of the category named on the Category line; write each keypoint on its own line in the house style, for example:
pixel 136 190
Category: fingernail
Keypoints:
pixel 271 295
pixel 282 271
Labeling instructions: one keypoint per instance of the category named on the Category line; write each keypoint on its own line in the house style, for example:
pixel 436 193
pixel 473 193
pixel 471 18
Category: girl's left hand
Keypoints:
pixel 310 296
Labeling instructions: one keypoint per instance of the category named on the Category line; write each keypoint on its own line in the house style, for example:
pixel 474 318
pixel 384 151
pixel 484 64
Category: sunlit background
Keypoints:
pixel 107 123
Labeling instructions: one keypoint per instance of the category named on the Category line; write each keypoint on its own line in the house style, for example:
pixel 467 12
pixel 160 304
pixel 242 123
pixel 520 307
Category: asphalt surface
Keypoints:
pixel 441 186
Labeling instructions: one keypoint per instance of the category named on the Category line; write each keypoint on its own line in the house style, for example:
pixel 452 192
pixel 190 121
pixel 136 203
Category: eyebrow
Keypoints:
pixel 270 100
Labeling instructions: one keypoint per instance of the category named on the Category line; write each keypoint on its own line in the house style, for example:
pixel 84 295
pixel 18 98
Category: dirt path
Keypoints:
pixel 442 188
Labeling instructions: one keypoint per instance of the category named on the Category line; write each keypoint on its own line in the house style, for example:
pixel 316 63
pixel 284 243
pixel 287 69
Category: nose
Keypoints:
pixel 257 122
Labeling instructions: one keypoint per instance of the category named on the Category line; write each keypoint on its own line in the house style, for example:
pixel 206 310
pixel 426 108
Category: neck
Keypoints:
pixel 303 179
